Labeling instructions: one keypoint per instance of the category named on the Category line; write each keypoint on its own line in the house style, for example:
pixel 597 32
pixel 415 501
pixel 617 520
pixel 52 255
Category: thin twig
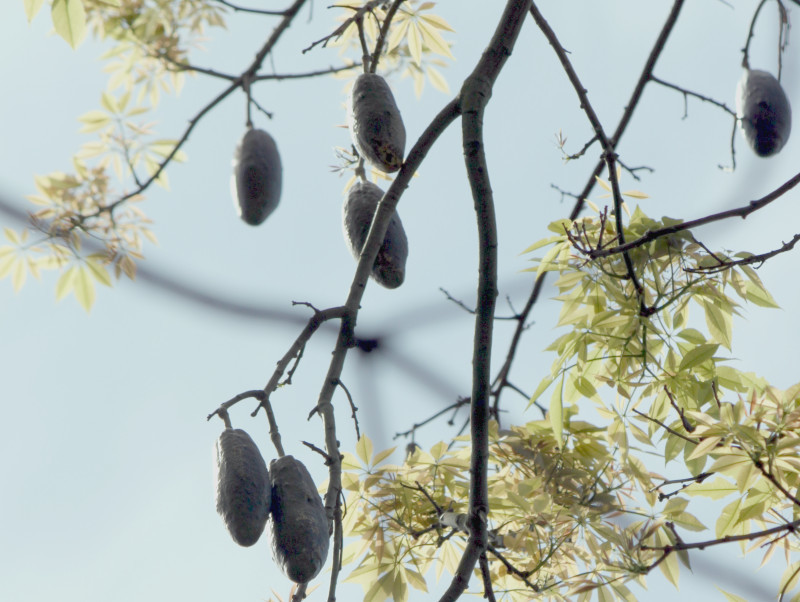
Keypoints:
pixel 686 93
pixel 743 212
pixel 353 408
pixel 384 32
pixel 359 13
pixel 486 574
pixel 760 258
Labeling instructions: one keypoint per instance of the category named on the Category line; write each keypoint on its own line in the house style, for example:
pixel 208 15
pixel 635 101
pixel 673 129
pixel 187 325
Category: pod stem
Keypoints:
pixel 360 172
pixel 363 40
pixel 223 414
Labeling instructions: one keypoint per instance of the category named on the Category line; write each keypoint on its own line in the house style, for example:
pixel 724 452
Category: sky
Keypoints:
pixel 107 454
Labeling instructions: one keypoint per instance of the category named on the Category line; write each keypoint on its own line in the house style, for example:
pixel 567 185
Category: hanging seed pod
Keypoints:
pixel 299 526
pixel 243 486
pixel 257 175
pixel 764 111
pixel 375 124
pixel 358 210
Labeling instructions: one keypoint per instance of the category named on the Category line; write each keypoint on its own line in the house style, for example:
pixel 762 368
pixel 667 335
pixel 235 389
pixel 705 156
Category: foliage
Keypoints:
pixel 576 505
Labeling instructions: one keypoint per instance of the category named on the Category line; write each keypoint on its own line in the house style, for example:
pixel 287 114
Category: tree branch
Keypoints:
pixel 742 212
pixel 630 107
pixel 475 95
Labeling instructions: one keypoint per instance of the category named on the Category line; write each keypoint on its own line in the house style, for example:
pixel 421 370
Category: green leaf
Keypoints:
pixel 717 488
pixel 556 413
pixel 69 20
pixel 65 283
pixel 414 40
pixel 728 518
pixel 381 456
pixel 364 449
pixel 84 288
pixel 381 589
pixel 560 226
pixel 760 296
pixel 703 448
pixel 719 322
pixel 109 103
pixel 98 270
pixel 546 382
pixel 32 8
pixel 416 580
pixel 669 566
pixel 790 577
pixel 438 80
pixel 542 243
pixel 698 355
pixel 692 335
pixel 731 597
pixel 94 120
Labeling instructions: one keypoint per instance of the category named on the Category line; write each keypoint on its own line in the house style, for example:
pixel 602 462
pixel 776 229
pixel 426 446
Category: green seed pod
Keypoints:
pixel 298 525
pixel 257 176
pixel 358 210
pixel 375 124
pixel 243 487
pixel 764 112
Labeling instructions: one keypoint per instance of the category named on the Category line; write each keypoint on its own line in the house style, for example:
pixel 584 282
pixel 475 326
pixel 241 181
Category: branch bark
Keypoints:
pixel 474 97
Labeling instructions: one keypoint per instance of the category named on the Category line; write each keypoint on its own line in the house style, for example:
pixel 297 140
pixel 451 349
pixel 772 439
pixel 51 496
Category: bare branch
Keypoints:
pixel 475 95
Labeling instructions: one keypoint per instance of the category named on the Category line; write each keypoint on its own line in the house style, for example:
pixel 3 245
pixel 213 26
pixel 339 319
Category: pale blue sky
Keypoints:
pixel 108 492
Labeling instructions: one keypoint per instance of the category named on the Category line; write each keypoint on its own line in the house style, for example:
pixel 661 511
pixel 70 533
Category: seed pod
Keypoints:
pixel 243 487
pixel 764 112
pixel 375 124
pixel 358 210
pixel 256 183
pixel 299 526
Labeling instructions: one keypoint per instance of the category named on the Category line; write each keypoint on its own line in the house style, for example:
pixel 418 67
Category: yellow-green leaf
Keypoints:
pixel 698 355
pixel 364 449
pixel 69 20
pixel 94 120
pixel 760 296
pixel 728 518
pixel 636 194
pixel 65 283
pixel 32 8
pixel 731 597
pixel 415 44
pixel 556 414
pixel 84 288
pixel 98 270
pixel 437 79
pixel 719 322
pixel 381 456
